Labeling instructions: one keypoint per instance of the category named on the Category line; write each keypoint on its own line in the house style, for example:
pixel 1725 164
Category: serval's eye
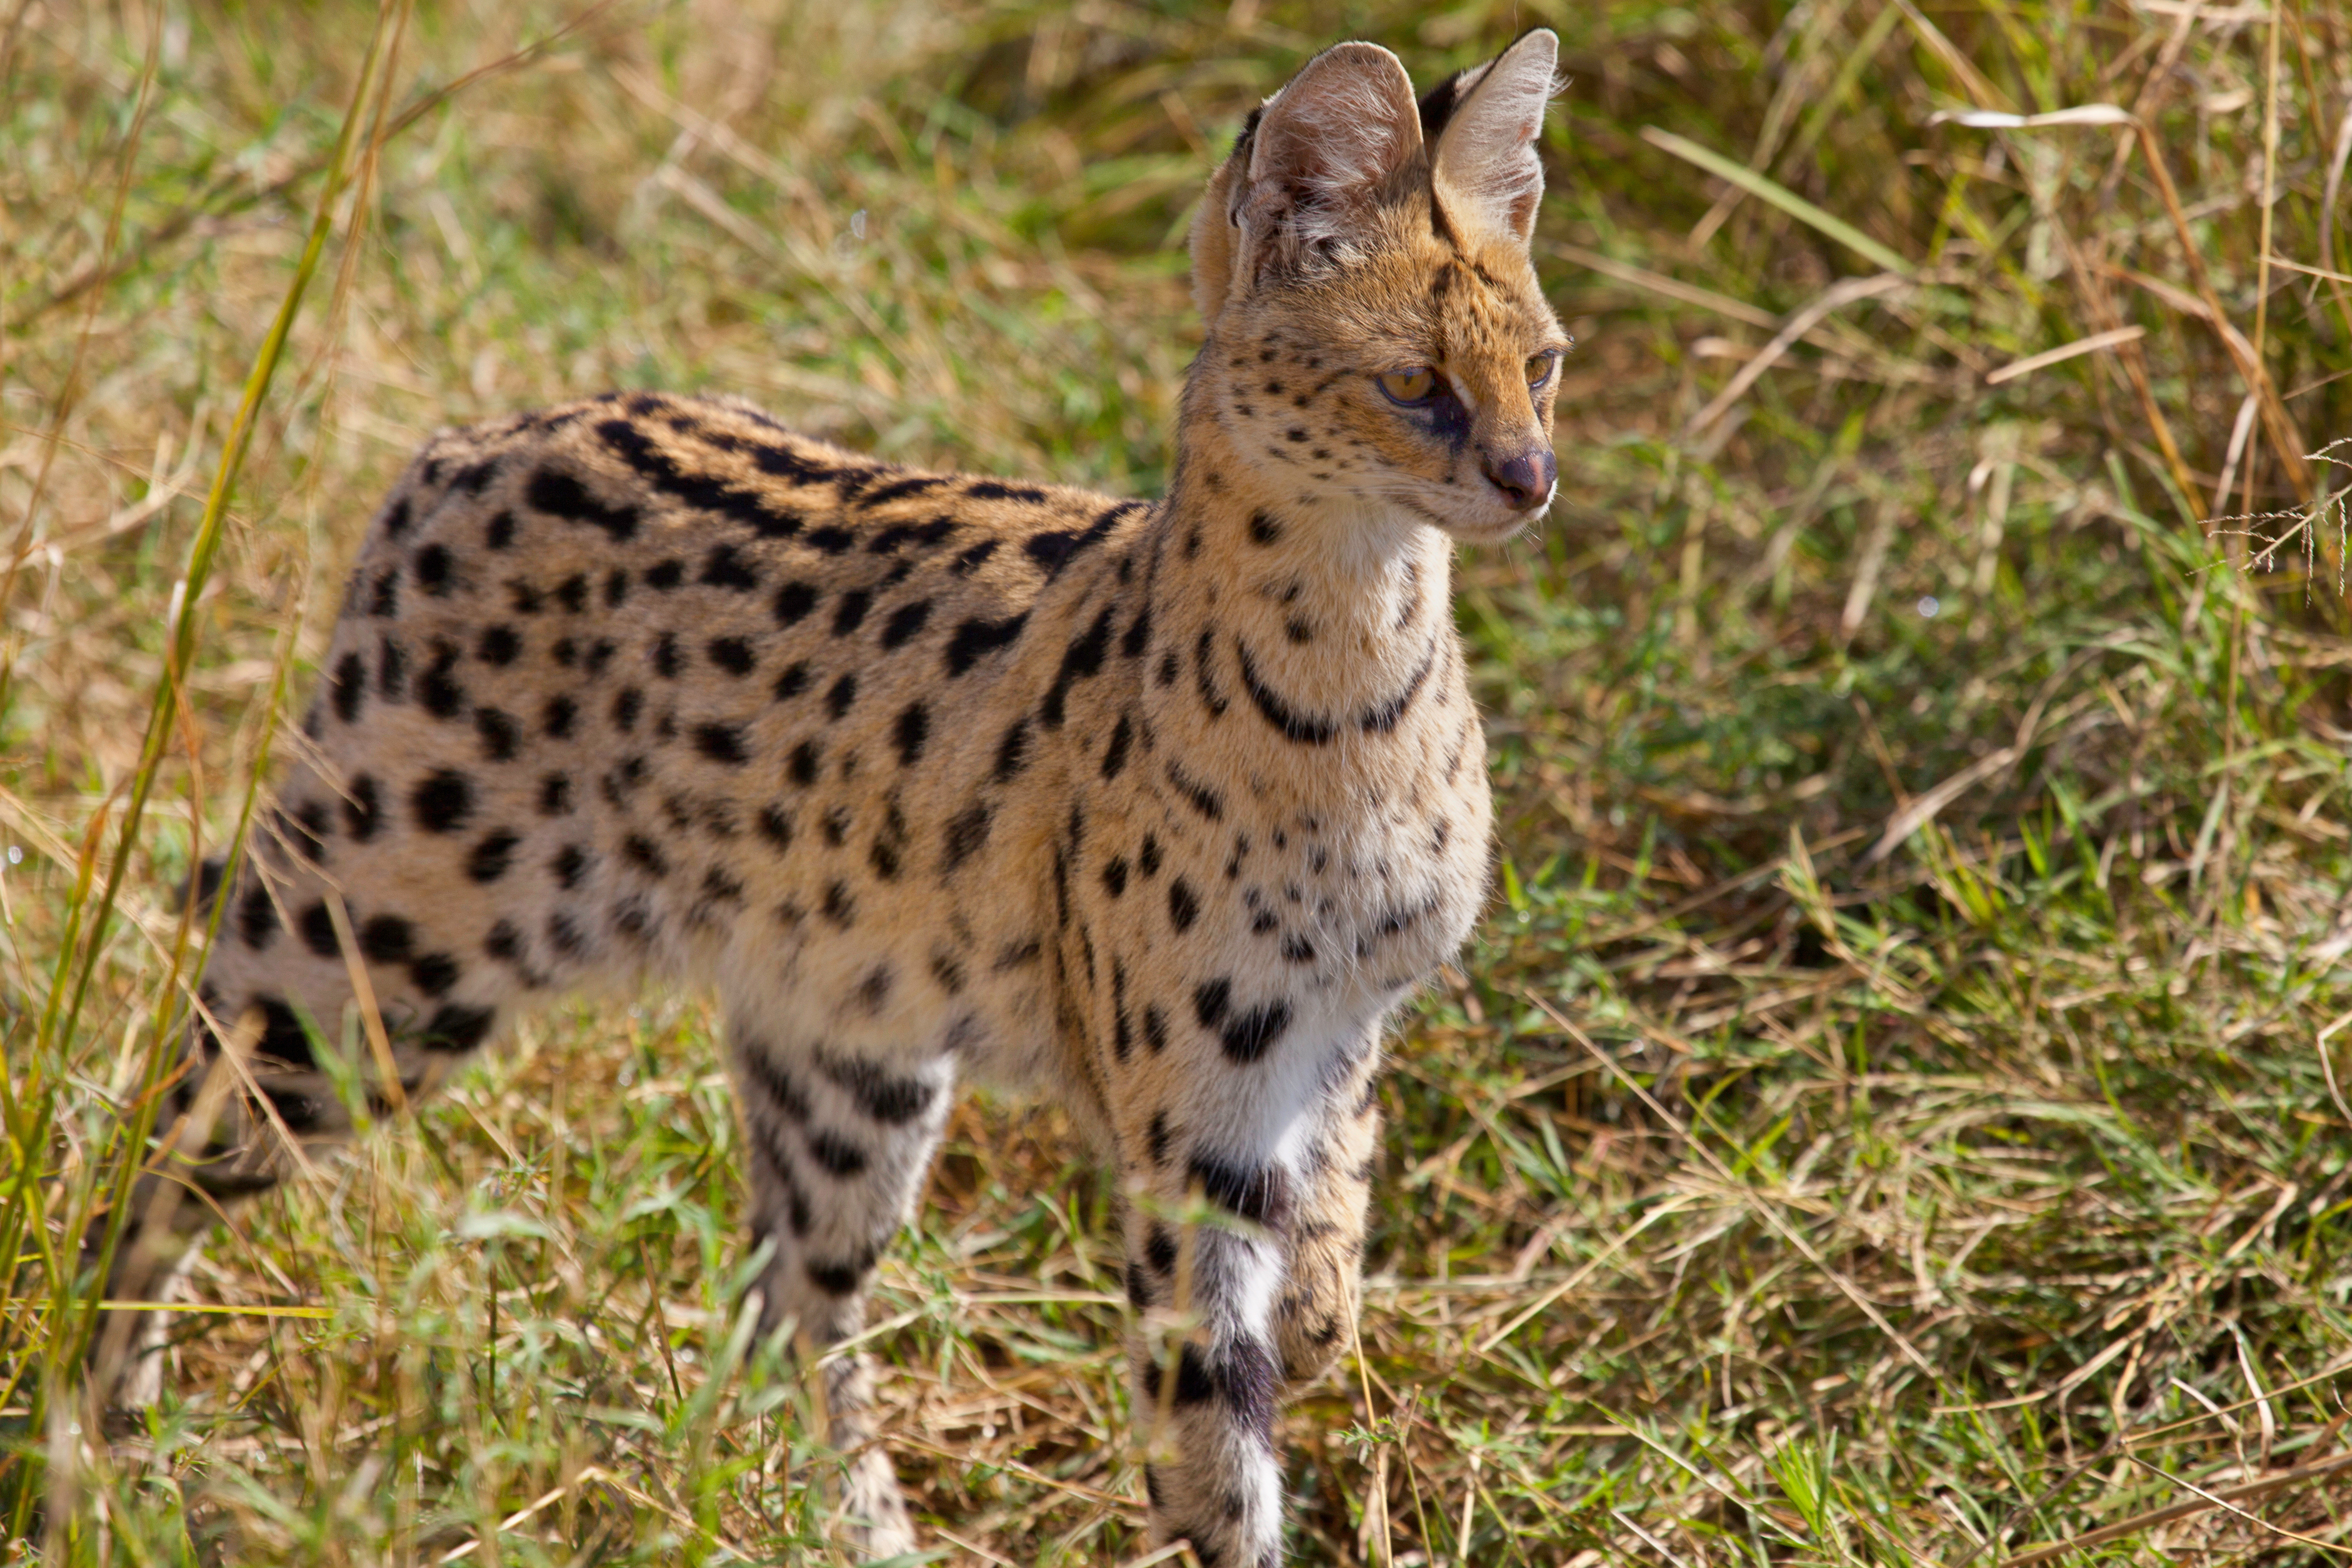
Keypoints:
pixel 1411 387
pixel 1539 369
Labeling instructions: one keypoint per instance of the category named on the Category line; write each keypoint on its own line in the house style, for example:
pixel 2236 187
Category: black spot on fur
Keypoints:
pixel 1138 635
pixel 722 743
pixel 967 560
pixel 645 855
pixel 836 1279
pixel 1200 797
pixel 732 655
pixel 283 1037
pixel 837 1155
pixel 348 690
pixel 433 973
pixel 364 808
pixel 570 864
pixel 898 490
pixel 879 1094
pixel 1159 1248
pixel 489 859
pixel 392 670
pixel 1012 752
pixel 1247 1035
pixel 1155 1029
pixel 1183 904
pixel 561 495
pixel 755 508
pixel 563 933
pixel 387 939
pixel 257 916
pixel 459 1029
pixel 1193 1383
pixel 442 801
pixel 1204 679
pixel 997 490
pixel 906 624
pixel 1082 659
pixel 499 734
pixel 726 567
pixel 1053 549
pixel 913 727
pixel 498 645
pixel 437 688
pixel 793 602
pixel 838 698
pixel 1115 755
pixel 435 568
pixel 555 795
pixel 966 835
pixel 889 845
pixel 850 612
pixel 504 943
pixel 975 638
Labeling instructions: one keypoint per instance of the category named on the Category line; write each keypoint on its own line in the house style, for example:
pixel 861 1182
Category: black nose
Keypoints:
pixel 1525 477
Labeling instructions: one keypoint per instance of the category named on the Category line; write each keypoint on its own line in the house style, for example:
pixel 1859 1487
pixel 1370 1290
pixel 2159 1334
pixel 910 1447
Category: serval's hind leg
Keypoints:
pixel 841 1135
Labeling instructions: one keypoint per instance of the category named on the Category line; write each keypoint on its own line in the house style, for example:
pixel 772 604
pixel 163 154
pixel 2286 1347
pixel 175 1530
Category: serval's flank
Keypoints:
pixel 1157 809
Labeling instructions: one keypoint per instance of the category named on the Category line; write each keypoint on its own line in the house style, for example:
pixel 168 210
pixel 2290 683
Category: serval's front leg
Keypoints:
pixel 840 1140
pixel 1258 1294
pixel 1323 1244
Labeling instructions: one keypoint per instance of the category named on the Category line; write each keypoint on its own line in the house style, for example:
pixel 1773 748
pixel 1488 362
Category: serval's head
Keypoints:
pixel 1375 331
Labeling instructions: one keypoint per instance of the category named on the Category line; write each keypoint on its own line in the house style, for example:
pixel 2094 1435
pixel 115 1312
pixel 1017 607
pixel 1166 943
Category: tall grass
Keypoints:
pixel 1897 1110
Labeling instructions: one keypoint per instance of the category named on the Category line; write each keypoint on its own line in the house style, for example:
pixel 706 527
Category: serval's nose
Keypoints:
pixel 1525 477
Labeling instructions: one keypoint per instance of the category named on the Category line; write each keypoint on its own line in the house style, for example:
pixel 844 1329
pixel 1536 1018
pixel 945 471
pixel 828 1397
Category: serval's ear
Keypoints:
pixel 1484 172
pixel 1316 160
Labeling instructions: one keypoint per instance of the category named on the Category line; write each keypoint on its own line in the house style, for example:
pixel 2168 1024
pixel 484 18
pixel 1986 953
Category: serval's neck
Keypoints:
pixel 1323 609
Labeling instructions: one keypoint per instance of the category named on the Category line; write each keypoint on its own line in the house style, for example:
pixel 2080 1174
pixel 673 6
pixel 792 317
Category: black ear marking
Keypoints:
pixel 1438 104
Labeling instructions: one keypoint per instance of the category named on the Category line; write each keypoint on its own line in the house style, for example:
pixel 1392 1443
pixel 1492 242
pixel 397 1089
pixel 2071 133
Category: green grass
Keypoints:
pixel 1751 1195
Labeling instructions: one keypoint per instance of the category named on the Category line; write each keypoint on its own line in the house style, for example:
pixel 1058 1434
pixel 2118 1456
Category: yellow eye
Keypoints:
pixel 1539 369
pixel 1412 386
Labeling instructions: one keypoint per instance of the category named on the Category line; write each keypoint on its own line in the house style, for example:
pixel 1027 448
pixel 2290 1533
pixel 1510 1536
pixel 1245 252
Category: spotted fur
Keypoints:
pixel 1153 808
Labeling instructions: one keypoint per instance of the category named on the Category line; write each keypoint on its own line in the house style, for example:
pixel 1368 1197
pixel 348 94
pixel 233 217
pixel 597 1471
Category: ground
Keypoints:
pixel 1891 1112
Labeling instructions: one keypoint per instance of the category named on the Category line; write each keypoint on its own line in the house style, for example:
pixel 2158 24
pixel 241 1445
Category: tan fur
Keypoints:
pixel 1155 810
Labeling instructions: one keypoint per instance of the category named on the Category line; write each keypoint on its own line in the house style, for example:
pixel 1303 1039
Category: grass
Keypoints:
pixel 1896 1111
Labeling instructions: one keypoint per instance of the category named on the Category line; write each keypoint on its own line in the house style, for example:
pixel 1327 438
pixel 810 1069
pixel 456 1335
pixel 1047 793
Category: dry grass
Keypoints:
pixel 1890 1115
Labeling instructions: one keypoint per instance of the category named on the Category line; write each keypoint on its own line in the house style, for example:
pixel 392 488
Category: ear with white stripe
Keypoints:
pixel 1486 176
